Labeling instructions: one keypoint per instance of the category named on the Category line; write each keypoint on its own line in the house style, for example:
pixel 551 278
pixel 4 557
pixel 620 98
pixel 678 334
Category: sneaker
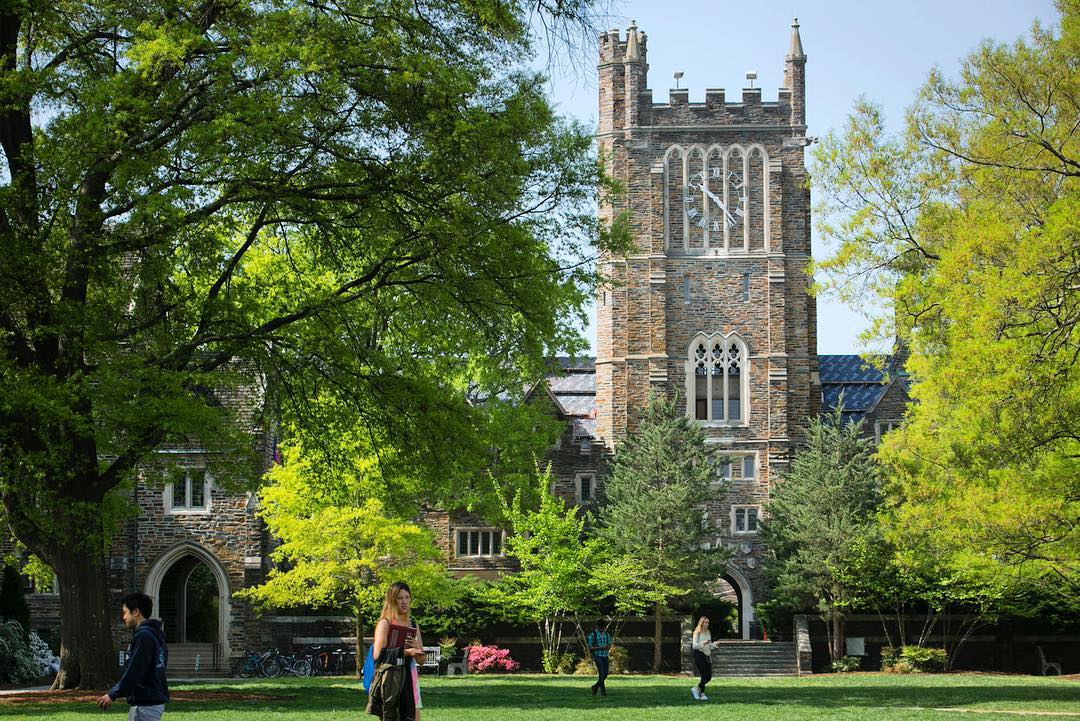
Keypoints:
pixel 695 693
pixel 704 697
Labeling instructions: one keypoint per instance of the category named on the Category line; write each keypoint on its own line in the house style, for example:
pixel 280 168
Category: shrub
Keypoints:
pixel 557 662
pixel 619 659
pixel 447 646
pixel 913 659
pixel 17 664
pixel 43 657
pixel 491 659
pixel 846 664
pixel 889 657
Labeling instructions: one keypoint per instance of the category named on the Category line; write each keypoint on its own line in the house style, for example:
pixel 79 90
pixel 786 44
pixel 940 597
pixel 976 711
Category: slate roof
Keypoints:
pixel 572 381
pixel 860 383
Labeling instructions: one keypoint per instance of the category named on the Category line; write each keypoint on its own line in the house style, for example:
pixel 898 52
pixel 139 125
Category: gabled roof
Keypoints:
pixel 861 384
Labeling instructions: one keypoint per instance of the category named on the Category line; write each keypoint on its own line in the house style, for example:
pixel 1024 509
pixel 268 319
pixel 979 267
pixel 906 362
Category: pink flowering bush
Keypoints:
pixel 491 659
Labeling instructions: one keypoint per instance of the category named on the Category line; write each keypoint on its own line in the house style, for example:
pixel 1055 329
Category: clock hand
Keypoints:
pixel 720 203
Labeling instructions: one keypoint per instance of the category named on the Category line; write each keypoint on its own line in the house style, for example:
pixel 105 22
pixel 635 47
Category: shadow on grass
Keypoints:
pixel 532 692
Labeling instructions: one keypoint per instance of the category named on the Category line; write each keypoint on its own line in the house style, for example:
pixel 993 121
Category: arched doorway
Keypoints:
pixel 191 596
pixel 189 602
pixel 744 597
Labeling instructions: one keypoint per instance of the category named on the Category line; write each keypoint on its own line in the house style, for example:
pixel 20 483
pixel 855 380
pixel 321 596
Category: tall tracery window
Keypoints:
pixel 718 379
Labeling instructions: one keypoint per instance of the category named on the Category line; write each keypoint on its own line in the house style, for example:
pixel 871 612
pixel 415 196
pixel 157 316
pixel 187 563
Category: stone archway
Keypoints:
pixel 175 567
pixel 745 595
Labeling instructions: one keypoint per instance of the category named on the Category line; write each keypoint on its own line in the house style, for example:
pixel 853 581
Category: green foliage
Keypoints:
pixel 556 558
pixel 339 549
pixel 846 664
pixel 556 662
pixel 13 606
pixel 914 659
pixel 968 227
pixel 618 662
pixel 357 219
pixel 819 515
pixel 658 482
pixel 468 607
pixel 17 664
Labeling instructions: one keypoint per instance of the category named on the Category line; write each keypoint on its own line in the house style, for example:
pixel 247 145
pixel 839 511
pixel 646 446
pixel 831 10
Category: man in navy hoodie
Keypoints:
pixel 143 683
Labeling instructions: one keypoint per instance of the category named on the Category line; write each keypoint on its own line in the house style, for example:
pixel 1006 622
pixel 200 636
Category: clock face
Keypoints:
pixel 715 199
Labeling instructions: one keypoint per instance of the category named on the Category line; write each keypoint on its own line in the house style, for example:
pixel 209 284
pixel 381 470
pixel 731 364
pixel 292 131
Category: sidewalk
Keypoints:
pixel 24 689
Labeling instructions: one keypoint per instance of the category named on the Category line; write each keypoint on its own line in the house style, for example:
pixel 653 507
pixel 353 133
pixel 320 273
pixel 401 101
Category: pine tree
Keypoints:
pixel 660 478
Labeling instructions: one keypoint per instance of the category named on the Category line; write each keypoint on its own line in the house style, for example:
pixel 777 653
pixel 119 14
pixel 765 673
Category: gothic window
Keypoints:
pixel 717 382
pixel 479 542
pixel 744 519
pixel 189 491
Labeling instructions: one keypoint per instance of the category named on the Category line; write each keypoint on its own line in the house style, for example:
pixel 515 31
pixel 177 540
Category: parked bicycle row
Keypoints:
pixel 318 661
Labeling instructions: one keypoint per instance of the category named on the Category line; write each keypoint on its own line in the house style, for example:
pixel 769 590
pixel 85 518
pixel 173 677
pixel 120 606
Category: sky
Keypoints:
pixel 882 50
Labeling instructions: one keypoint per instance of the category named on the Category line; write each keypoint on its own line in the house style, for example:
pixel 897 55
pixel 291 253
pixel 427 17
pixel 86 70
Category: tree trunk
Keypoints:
pixel 658 637
pixel 838 637
pixel 88 659
pixel 361 652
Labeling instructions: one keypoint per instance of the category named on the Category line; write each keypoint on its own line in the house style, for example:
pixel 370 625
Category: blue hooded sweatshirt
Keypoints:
pixel 143 682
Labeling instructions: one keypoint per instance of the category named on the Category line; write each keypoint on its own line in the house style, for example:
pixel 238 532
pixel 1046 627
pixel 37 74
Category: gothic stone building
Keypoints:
pixel 712 303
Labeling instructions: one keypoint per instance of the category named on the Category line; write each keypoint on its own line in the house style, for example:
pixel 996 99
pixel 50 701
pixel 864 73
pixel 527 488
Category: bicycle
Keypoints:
pixel 279 664
pixel 250 664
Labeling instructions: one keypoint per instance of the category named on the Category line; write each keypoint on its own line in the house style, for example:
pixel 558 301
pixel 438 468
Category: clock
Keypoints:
pixel 711 199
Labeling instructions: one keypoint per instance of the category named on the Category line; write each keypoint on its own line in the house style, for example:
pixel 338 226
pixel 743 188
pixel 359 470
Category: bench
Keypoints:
pixel 432 656
pixel 1045 665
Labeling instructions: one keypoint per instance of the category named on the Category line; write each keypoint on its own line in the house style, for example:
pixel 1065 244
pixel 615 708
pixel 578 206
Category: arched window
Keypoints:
pixel 717 379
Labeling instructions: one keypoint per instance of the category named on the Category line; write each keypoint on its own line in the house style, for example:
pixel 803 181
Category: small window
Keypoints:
pixel 586 445
pixel 884 426
pixel 686 290
pixel 745 519
pixel 189 491
pixel 585 486
pixel 479 542
pixel 746 287
pixel 725 470
pixel 749 467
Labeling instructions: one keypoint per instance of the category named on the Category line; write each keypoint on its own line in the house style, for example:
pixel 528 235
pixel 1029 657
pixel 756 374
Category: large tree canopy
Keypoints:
pixel 969 226
pixel 357 201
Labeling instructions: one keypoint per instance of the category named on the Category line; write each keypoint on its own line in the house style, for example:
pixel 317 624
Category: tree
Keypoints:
pixel 817 521
pixel 360 201
pixel 556 557
pixel 655 492
pixel 336 554
pixel 968 225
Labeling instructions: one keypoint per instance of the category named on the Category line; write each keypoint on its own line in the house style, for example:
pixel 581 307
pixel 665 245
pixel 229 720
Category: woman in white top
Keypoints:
pixel 703 645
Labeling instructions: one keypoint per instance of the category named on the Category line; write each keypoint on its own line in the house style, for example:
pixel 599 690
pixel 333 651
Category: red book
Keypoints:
pixel 397 635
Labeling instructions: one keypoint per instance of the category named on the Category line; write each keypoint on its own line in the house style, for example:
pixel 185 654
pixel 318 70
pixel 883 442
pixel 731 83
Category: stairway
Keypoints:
pixel 754 658
pixel 182 661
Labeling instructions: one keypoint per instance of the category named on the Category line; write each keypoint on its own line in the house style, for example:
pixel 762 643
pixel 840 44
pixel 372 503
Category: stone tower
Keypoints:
pixel 712 302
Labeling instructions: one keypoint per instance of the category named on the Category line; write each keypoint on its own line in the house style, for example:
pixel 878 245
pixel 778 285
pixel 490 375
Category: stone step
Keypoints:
pixel 754 658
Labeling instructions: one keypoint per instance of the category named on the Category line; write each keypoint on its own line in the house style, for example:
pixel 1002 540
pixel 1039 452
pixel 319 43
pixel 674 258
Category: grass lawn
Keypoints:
pixel 663 698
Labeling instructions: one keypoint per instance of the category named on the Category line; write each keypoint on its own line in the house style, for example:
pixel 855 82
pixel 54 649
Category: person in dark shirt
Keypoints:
pixel 600 646
pixel 143 682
